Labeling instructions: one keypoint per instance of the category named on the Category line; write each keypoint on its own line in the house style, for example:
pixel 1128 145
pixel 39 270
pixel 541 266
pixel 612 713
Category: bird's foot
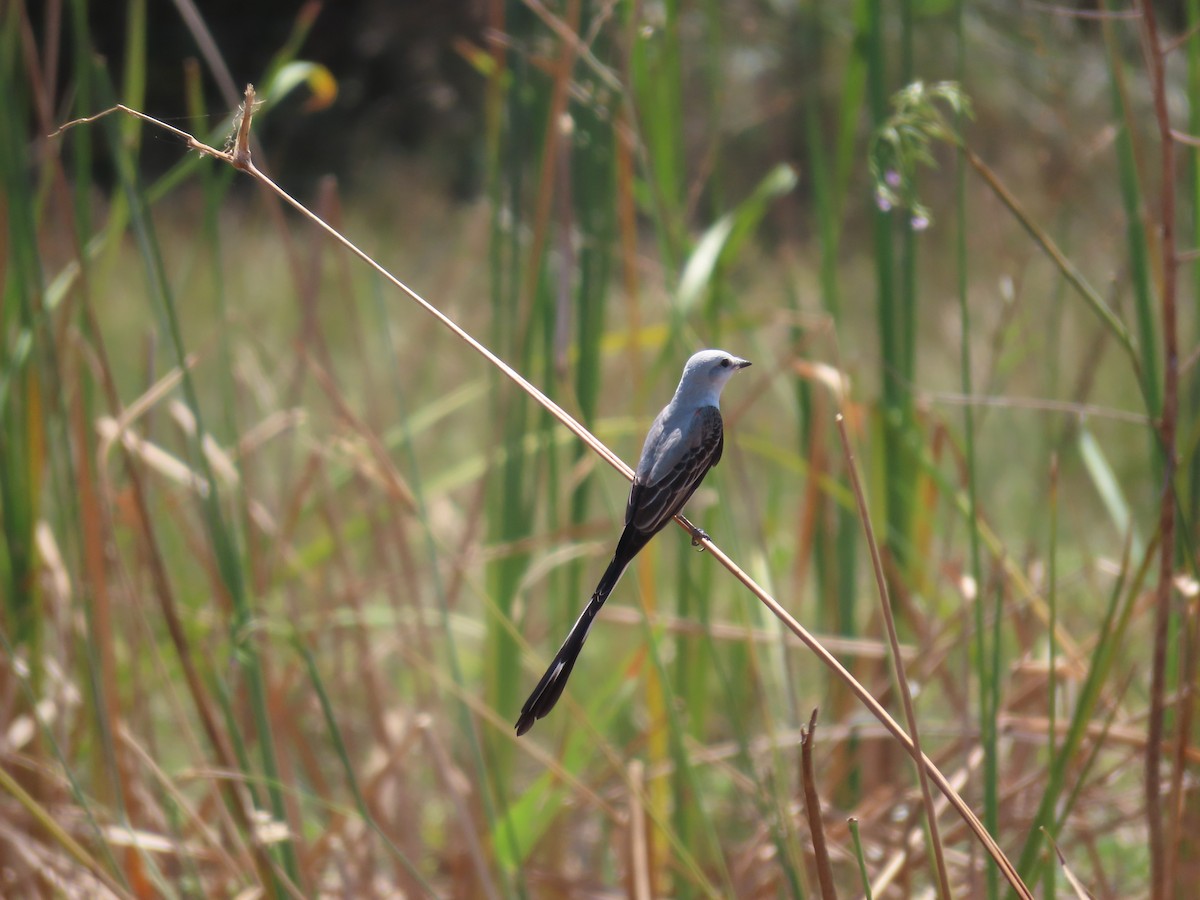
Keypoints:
pixel 698 535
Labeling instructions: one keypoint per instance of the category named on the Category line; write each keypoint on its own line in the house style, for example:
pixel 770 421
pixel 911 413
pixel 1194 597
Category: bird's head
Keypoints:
pixel 706 373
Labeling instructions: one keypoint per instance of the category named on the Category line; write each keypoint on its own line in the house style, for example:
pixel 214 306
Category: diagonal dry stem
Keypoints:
pixel 939 857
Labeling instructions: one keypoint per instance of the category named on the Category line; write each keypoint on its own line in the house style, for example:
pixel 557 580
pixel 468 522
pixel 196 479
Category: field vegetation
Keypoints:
pixel 298 496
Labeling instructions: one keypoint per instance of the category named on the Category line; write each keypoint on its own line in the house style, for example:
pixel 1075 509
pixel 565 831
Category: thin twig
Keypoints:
pixel 1180 39
pixel 1065 266
pixel 1085 14
pixel 910 716
pixel 1036 404
pixel 639 854
pixel 812 807
pixel 1183 137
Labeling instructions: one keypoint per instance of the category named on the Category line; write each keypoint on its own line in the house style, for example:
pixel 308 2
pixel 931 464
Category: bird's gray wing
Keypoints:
pixel 684 458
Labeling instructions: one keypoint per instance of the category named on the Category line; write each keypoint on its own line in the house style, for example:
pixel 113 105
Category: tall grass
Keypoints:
pixel 280 561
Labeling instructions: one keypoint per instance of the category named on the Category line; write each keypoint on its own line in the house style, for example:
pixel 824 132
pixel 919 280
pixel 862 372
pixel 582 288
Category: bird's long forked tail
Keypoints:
pixel 550 688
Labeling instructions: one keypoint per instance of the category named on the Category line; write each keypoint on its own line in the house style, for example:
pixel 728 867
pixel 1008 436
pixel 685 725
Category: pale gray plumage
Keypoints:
pixel 684 442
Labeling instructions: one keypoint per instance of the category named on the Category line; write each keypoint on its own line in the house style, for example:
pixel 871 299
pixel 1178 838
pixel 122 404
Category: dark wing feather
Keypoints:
pixel 653 504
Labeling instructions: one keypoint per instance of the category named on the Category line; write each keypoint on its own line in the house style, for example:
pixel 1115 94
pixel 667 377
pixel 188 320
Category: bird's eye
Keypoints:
pixel 725 363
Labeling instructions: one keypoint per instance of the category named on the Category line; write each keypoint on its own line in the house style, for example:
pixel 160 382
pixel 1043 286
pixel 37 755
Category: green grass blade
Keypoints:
pixel 1136 241
pixel 339 746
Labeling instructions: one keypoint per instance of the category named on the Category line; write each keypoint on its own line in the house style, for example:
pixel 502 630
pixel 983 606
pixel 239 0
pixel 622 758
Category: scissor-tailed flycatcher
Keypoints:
pixel 684 442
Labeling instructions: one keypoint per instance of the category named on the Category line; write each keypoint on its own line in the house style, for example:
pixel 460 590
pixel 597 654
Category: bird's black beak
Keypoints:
pixel 742 363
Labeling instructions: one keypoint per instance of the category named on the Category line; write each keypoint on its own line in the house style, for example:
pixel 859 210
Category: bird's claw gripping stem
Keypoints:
pixel 698 535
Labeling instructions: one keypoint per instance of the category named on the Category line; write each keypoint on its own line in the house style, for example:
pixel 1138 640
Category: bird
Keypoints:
pixel 684 442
